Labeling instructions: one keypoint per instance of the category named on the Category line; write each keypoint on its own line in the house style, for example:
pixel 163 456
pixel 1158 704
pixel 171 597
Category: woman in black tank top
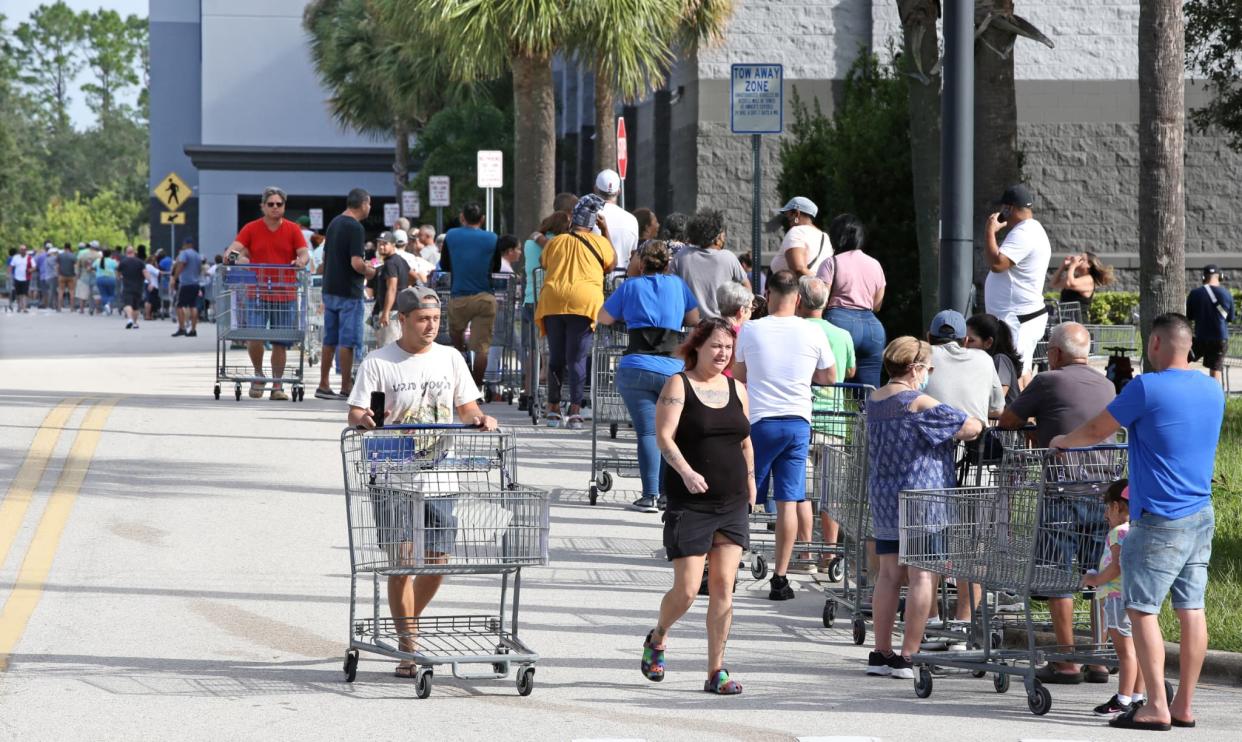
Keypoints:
pixel 709 477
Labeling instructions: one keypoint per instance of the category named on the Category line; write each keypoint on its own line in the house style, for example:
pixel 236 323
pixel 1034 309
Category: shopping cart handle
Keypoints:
pixel 431 426
pixel 1104 447
pixel 845 385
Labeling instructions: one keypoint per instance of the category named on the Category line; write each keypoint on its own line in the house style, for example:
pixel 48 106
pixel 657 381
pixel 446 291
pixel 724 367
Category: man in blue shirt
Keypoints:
pixel 1210 307
pixel 470 257
pixel 1173 416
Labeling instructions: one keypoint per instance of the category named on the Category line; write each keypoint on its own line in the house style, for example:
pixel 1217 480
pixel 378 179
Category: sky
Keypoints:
pixel 17 11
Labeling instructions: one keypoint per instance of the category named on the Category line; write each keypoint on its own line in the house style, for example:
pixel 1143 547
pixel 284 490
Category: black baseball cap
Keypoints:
pixel 1018 195
pixel 1209 270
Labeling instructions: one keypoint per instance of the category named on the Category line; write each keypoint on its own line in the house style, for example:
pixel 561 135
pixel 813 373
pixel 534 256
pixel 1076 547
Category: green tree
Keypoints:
pixel 112 46
pixel 23 183
pixel 859 162
pixel 1214 50
pixel 49 49
pixel 448 145
pixel 105 217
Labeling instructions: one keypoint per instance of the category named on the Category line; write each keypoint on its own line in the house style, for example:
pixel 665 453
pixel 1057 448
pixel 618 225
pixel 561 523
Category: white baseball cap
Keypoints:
pixel 802 204
pixel 400 237
pixel 608 182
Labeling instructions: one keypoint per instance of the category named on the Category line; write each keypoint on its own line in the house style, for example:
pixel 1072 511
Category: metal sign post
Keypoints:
pixel 756 107
pixel 491 175
pixel 438 187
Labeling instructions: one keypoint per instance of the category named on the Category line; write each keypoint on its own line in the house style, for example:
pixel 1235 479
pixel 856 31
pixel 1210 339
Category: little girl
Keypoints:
pixel 1107 584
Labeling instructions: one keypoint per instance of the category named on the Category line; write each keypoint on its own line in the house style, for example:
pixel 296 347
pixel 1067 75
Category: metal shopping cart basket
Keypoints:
pixel 267 304
pixel 440 500
pixel 841 478
pixel 503 377
pixel 1034 534
pixel 608 414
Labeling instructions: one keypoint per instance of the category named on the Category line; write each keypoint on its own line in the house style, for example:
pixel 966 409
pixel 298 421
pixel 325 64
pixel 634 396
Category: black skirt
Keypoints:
pixel 691 533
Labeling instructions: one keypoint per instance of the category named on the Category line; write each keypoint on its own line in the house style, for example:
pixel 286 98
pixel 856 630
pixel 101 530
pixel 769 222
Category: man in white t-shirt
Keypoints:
pixel 622 225
pixel 420 268
pixel 424 245
pixel 423 382
pixel 778 357
pixel 21 266
pixel 805 247
pixel 1014 289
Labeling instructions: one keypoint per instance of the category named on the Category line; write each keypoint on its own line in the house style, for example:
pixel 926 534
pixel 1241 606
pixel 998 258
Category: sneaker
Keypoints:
pixel 900 667
pixel 574 422
pixel 780 588
pixel 179 333
pixel 1112 707
pixel 278 395
pixel 645 504
pixel 553 420
pixel 192 334
pixel 585 412
pixel 877 664
pixel 326 394
pixel 129 325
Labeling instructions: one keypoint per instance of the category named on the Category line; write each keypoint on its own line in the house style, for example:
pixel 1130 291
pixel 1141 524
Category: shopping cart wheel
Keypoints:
pixel 830 613
pixel 923 682
pixel 351 665
pixel 1038 699
pixel 526 681
pixel 758 567
pixel 860 631
pixel 216 391
pixel 978 674
pixel 836 569
pixel 237 392
pixel 612 431
pixel 1000 682
pixel 604 481
pixel 594 494
pixel 422 683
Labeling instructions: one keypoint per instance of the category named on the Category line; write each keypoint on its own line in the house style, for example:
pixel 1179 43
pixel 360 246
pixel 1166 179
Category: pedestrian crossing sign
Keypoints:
pixel 172 217
pixel 173 192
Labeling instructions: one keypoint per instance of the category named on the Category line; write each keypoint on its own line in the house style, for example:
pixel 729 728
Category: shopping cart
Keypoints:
pixel 609 413
pixel 503 377
pixel 261 303
pixel 440 500
pixel 1035 534
pixel 841 476
pixel 1106 338
pixel 314 321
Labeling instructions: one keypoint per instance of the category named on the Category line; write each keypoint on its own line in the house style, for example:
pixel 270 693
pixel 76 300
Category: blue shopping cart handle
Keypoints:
pixel 431 426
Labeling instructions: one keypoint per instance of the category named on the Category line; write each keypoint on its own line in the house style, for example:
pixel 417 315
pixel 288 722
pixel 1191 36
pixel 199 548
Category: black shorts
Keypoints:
pixel 21 288
pixel 131 298
pixel 187 296
pixel 1212 352
pixel 691 533
pixel 153 297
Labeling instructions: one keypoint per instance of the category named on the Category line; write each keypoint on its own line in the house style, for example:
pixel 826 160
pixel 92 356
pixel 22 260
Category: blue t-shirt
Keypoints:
pixel 651 301
pixel 1173 418
pixel 1210 324
pixel 531 252
pixel 191 264
pixel 469 254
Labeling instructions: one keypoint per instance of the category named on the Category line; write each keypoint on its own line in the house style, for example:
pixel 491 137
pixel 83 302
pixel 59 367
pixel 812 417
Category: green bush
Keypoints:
pixel 105 217
pixel 1120 307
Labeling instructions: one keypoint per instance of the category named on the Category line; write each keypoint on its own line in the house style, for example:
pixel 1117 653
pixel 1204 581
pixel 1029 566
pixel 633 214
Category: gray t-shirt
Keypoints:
pixel 191 269
pixel 1062 400
pixel 704 271
pixel 965 378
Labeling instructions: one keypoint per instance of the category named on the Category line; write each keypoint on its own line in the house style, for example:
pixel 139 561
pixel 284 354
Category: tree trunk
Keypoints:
pixel 534 141
pixel 401 158
pixel 1162 200
pixel 996 128
pixel 605 122
pixel 924 102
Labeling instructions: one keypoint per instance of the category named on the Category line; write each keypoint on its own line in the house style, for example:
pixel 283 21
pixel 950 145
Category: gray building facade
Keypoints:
pixel 235 107
pixel 1077 124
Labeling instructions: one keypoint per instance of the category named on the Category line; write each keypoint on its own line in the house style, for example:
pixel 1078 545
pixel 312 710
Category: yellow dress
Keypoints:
pixel 573 279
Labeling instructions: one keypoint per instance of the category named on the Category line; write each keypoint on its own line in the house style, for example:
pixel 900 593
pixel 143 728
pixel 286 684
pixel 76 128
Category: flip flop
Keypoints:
pixel 1049 675
pixel 1127 721
pixel 1182 723
pixel 721 684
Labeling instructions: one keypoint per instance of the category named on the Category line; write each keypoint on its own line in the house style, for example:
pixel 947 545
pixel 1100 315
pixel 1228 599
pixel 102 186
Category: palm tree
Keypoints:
pixel 481 40
pixel 631 47
pixel 1162 198
pixel 380 85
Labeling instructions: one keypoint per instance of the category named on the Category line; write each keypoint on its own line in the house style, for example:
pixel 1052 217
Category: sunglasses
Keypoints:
pixel 275 204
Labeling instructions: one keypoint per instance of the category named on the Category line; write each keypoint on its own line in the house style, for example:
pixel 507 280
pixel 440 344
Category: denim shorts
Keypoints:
pixel 342 321
pixel 1161 555
pixel 1115 616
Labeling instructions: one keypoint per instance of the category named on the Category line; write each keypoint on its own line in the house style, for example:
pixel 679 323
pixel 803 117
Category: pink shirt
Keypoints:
pixel 854 277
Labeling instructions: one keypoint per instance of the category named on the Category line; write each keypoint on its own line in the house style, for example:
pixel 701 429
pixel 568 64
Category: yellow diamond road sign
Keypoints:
pixel 172 217
pixel 173 192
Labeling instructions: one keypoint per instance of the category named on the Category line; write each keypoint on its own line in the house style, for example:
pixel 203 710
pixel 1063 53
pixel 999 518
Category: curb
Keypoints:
pixel 1224 668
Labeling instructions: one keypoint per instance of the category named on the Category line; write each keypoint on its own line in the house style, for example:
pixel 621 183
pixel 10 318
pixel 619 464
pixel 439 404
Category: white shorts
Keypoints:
pixel 1026 336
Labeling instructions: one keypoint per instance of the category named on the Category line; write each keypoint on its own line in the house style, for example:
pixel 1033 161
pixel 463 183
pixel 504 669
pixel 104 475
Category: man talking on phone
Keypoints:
pixel 1014 289
pixel 422 382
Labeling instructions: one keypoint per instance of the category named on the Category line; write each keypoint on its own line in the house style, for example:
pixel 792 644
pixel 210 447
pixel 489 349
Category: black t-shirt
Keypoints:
pixel 343 240
pixel 394 267
pixel 132 272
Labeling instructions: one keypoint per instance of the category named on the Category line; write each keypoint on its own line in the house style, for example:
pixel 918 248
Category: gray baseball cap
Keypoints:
pixel 803 204
pixel 417 297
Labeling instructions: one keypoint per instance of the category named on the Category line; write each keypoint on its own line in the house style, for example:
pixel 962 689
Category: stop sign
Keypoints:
pixel 623 158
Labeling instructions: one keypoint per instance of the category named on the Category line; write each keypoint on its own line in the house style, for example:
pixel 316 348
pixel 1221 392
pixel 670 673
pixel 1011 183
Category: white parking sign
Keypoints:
pixel 756 100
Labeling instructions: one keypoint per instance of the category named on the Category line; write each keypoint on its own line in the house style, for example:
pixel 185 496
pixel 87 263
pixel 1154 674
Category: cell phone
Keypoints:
pixel 377 408
pixel 1000 214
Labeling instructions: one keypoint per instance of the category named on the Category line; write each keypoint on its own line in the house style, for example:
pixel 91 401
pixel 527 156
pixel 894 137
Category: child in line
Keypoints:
pixel 1107 584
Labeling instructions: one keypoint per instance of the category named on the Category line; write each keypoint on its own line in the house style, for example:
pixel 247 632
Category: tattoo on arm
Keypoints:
pixel 670 401
pixel 673 456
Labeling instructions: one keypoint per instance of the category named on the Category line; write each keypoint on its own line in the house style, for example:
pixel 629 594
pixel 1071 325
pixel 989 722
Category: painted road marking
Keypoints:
pixel 21 491
pixel 42 551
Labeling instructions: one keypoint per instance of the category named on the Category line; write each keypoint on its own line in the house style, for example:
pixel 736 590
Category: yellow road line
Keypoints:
pixel 21 491
pixel 38 562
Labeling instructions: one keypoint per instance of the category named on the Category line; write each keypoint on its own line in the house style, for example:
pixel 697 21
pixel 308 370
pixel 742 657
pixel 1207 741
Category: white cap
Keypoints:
pixel 608 182
pixel 400 237
pixel 802 204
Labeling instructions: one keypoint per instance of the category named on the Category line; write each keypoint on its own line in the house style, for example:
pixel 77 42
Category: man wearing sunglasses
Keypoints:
pixel 271 240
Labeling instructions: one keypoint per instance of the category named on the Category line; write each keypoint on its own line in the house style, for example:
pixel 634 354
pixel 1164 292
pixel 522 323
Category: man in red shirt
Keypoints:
pixel 271 240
